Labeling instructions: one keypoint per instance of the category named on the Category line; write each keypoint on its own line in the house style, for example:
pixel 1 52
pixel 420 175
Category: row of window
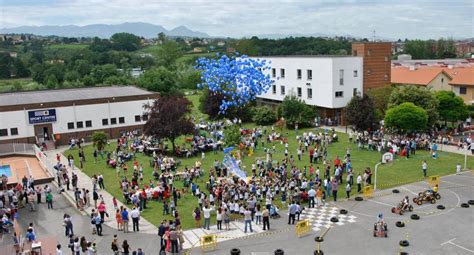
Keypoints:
pixel 4 131
pixel 299 92
pixel 139 118
pixel 309 74
pixel 88 123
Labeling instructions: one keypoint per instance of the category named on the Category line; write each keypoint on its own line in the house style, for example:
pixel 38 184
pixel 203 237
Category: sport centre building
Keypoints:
pixel 55 116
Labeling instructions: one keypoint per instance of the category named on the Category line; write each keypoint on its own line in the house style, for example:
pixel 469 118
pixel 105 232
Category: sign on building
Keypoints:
pixel 42 116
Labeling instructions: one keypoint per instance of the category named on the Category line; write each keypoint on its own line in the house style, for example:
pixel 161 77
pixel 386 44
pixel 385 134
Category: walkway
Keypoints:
pixel 445 148
pixel 84 180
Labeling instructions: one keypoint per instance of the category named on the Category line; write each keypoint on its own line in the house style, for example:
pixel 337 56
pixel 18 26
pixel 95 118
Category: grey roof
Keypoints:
pixel 62 95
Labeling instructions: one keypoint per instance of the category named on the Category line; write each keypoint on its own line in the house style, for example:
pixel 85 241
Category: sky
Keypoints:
pixel 413 19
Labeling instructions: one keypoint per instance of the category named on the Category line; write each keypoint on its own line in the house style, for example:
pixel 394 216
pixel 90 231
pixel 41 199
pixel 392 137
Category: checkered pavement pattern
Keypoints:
pixel 320 218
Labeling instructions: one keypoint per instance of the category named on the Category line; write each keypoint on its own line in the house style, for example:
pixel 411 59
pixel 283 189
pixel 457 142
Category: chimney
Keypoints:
pixel 412 67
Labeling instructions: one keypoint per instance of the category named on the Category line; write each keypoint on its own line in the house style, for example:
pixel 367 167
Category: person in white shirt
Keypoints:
pixel 207 216
pixel 359 183
pixel 58 250
pixel 311 195
pixel 135 215
pixel 458 168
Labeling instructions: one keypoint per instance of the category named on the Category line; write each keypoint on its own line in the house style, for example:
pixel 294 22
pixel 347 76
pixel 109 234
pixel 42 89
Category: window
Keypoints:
pixel 309 74
pixel 88 123
pixel 442 80
pixel 356 73
pixel 121 120
pixel 13 131
pixel 354 92
pixel 310 93
pixel 105 122
pixel 354 53
pixel 145 117
pixel 386 59
pixel 3 132
pixel 298 73
pixel 274 72
pixel 369 52
pixel 462 90
pixel 70 125
pixel 79 124
pixel 369 71
pixel 274 89
pixel 282 73
pixel 113 121
pixel 138 118
pixel 299 91
pixel 385 77
pixel 339 93
pixel 341 77
pixel 282 89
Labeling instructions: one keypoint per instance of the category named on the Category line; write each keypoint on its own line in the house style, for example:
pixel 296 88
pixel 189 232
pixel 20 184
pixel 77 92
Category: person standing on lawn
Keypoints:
pixel 424 166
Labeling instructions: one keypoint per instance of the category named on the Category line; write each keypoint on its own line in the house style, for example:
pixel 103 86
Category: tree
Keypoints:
pixel 52 81
pixel 451 107
pixel 232 135
pixel 88 80
pixel 445 48
pixel 406 118
pixel 125 41
pixel 83 67
pixel 168 118
pixel 168 54
pixel 264 115
pixel 72 76
pixel 5 62
pixel 189 79
pixel 295 111
pixel 360 113
pixel 419 49
pixel 158 79
pixel 379 97
pixel 99 140
pixel 420 96
pixel 209 103
pixel 100 45
pixel 20 69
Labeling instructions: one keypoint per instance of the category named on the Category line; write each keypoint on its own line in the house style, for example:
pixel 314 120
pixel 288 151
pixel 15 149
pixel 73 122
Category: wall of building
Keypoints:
pixel 73 114
pixel 468 97
pixel 324 82
pixel 377 62
pixel 440 82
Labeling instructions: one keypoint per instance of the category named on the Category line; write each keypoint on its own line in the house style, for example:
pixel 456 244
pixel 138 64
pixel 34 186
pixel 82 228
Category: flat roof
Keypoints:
pixel 74 94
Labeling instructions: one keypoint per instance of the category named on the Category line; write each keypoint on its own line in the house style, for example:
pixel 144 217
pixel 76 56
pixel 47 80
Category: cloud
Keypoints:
pixel 390 19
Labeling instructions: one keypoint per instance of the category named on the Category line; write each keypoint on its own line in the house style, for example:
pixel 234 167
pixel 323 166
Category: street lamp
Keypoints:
pixel 465 156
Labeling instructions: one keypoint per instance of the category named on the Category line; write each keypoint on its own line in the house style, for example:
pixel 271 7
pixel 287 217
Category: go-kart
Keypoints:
pixel 380 229
pixel 426 196
pixel 400 210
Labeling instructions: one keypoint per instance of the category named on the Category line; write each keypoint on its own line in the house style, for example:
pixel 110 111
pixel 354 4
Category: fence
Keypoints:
pixel 16 148
pixel 45 161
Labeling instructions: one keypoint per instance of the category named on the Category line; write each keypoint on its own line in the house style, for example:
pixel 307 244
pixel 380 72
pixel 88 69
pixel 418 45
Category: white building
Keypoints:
pixel 58 115
pixel 328 82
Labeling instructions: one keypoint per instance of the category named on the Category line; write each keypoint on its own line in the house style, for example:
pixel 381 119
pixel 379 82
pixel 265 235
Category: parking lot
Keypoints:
pixel 448 231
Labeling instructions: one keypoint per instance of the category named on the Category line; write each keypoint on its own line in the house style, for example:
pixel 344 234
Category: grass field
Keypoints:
pixel 400 171
pixel 9 85
pixel 68 46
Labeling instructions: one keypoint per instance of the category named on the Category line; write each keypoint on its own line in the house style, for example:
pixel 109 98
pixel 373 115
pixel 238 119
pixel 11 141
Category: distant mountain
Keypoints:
pixel 146 30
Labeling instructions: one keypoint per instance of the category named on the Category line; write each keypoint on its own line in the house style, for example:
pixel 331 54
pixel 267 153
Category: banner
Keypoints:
pixel 42 116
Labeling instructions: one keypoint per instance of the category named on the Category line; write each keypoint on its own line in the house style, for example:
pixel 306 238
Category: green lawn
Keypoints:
pixel 400 171
pixel 68 46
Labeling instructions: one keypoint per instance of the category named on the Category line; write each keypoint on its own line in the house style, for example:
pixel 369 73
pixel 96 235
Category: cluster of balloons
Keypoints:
pixel 239 79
